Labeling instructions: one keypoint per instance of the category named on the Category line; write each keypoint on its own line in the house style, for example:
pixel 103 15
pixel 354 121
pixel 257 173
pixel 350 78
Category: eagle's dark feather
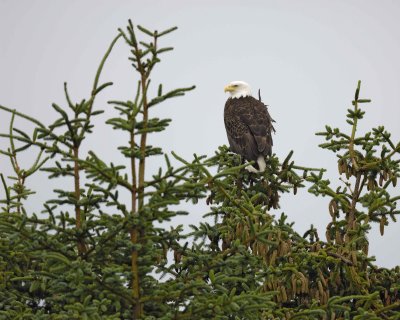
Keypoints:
pixel 249 127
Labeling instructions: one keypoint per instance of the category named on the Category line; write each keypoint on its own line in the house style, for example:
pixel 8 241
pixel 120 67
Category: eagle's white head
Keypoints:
pixel 238 89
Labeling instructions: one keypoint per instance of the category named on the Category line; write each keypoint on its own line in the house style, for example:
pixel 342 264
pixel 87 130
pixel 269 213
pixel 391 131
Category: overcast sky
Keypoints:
pixel 305 56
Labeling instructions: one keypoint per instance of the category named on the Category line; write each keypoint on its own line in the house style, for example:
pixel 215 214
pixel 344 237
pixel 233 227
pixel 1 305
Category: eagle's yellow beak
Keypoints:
pixel 229 88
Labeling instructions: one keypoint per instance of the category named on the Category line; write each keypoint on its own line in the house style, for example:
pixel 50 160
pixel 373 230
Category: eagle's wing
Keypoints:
pixel 249 126
pixel 257 118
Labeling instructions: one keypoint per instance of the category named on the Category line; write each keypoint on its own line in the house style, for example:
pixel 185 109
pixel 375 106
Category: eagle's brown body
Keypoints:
pixel 249 127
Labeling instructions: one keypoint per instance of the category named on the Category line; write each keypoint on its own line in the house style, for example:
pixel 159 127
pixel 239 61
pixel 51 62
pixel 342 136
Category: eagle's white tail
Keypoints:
pixel 261 164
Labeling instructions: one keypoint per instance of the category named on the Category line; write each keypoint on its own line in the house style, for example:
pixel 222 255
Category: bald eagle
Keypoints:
pixel 248 125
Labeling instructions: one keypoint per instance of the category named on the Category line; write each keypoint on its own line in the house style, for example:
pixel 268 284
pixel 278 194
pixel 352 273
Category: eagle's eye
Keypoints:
pixel 235 85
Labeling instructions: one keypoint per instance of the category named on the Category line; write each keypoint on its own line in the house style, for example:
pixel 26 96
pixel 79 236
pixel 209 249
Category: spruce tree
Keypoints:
pixel 91 254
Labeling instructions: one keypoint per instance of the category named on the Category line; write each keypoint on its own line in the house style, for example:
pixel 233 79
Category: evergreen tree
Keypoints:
pixel 92 255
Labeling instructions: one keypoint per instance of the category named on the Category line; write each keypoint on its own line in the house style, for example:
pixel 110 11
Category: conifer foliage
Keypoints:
pixel 93 254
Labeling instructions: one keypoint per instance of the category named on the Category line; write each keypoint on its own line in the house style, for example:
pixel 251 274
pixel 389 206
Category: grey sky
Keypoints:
pixel 306 56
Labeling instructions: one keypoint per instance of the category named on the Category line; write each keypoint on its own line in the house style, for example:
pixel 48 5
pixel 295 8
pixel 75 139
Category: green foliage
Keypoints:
pixel 93 254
